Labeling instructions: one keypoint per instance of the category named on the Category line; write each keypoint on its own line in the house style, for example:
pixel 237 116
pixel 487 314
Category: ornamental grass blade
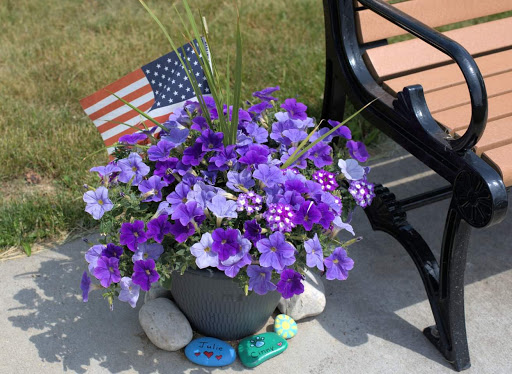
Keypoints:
pixel 238 84
pixel 140 112
pixel 27 248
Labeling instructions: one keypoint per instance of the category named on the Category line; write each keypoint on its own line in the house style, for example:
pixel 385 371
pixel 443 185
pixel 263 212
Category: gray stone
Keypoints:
pixel 165 325
pixel 157 291
pixel 309 303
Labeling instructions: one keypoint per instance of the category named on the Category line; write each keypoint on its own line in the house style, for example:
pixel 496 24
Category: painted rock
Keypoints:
pixel 210 352
pixel 285 326
pixel 256 349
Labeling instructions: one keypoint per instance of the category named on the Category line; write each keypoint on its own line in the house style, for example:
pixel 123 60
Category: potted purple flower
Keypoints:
pixel 233 204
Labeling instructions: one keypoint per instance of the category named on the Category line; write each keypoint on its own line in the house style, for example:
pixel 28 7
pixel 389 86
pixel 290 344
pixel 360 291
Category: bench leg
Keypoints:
pixel 444 284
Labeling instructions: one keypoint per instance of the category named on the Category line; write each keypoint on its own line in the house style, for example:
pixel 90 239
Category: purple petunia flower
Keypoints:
pixel 307 215
pixel 232 265
pixel 132 167
pixel 132 234
pixel 295 109
pixel 290 283
pixel 129 291
pixel 193 154
pixel 179 196
pixel 268 175
pixel 294 200
pixel 211 141
pixel 222 208
pixel 199 123
pixel 343 131
pixel 258 108
pixel 144 273
pixel 320 133
pixel 257 133
pixel 259 279
pixel 132 139
pixel 158 228
pixel 334 202
pixel 327 215
pixel 174 133
pixel 186 213
pixel 85 286
pixel 276 251
pixel 151 188
pixel 180 232
pixel 315 255
pixel 225 242
pixel 256 154
pixel 351 169
pixel 338 225
pixel 295 135
pixel 205 256
pixel 107 271
pixel 93 254
pixel 164 169
pixel 278 129
pixel 160 151
pixel 320 154
pixel 105 171
pixel 264 94
pixel 97 202
pixel 300 163
pixel 145 251
pixel 223 159
pixel 338 264
pixel 244 179
pixel 252 231
pixel 112 250
pixel 295 185
pixel 357 151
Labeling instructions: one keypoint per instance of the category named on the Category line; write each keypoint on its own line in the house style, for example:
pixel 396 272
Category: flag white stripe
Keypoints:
pixel 121 93
pixel 120 128
pixel 124 109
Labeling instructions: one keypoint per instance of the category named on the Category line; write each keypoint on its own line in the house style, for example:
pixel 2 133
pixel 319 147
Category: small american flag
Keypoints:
pixel 157 89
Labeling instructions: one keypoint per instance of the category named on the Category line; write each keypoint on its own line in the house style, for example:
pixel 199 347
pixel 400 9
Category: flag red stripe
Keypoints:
pixel 112 140
pixel 114 87
pixel 124 117
pixel 118 103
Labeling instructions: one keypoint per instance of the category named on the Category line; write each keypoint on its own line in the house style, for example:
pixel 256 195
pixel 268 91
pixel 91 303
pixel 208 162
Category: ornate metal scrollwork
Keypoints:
pixel 385 212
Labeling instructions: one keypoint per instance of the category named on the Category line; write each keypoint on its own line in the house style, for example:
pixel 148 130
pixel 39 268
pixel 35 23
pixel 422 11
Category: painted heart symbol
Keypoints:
pixel 197 353
pixel 218 357
pixel 208 354
pixel 279 344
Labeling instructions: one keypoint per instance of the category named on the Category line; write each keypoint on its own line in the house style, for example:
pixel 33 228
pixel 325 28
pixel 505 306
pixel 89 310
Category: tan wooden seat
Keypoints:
pixel 414 62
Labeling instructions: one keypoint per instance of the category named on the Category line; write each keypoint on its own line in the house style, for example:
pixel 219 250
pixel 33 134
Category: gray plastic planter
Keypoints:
pixel 216 306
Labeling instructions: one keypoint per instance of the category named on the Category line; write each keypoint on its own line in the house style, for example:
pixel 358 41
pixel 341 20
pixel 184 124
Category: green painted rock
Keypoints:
pixel 256 349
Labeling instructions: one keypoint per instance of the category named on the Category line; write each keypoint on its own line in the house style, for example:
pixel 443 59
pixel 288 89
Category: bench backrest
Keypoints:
pixel 435 13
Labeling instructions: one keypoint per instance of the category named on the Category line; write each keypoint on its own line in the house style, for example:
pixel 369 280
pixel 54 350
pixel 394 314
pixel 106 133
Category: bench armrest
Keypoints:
pixel 464 60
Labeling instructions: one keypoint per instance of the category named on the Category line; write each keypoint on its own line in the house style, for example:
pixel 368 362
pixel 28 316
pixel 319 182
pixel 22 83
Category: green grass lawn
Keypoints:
pixel 55 52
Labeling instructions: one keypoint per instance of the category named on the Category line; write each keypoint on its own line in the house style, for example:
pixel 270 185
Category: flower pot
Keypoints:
pixel 216 306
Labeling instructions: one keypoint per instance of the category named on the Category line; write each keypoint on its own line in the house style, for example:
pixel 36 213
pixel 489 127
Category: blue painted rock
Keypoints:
pixel 210 352
pixel 285 326
pixel 257 349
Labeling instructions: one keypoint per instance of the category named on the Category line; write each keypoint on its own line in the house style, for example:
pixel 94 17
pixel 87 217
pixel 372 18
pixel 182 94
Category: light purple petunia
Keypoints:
pixel 269 176
pixel 295 109
pixel 338 225
pixel 275 251
pixel 160 151
pixel 205 256
pixel 264 94
pixel 290 283
pixel 260 279
pixel 295 135
pixel 97 202
pixel 144 273
pixel 300 163
pixel 132 139
pixel 93 254
pixel 338 264
pixel 132 167
pixel 107 271
pixel 244 179
pixel 146 250
pixel 278 129
pixel 315 255
pixel 85 286
pixel 202 193
pixel 179 196
pixel 151 188
pixel 158 228
pixel 232 265
pixel 257 133
pixel 351 169
pixel 186 213
pixel 357 150
pixel 105 171
pixel 334 202
pixel 307 215
pixel 222 208
pixel 129 291
pixel 319 133
pixel 132 234
pixel 320 154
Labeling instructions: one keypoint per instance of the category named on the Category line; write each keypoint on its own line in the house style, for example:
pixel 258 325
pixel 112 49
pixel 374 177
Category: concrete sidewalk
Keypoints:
pixel 372 322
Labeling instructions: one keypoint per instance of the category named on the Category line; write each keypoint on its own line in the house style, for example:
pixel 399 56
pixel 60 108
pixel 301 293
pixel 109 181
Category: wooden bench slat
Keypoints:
pixel 501 159
pixel 450 75
pixel 497 134
pixel 434 13
pixel 458 95
pixel 391 61
pixel 458 118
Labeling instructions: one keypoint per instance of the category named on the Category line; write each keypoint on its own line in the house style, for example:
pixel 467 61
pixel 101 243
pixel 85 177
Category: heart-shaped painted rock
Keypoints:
pixel 210 352
pixel 285 326
pixel 256 349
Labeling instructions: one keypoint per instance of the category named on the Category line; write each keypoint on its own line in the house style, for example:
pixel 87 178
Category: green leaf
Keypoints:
pixel 139 111
pixel 27 248
pixel 238 85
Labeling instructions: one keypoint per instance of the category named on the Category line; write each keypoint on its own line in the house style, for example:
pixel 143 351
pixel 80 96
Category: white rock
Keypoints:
pixel 309 303
pixel 157 291
pixel 165 325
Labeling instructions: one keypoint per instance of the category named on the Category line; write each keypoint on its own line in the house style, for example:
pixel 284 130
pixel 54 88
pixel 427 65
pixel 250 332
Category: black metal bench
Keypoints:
pixel 442 138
